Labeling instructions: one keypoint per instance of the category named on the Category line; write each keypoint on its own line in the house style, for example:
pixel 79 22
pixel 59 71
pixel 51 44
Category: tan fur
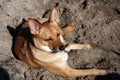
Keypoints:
pixel 37 44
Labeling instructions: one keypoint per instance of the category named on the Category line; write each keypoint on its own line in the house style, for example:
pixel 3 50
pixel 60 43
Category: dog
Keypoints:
pixel 42 45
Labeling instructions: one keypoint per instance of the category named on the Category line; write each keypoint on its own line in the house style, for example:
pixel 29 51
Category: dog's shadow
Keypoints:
pixel 113 76
pixel 13 32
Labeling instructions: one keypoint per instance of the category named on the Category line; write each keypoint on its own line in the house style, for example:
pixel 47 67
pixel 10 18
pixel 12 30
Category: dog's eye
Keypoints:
pixel 49 39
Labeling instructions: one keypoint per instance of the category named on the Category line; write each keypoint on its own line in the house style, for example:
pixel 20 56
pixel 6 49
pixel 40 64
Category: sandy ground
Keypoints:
pixel 96 22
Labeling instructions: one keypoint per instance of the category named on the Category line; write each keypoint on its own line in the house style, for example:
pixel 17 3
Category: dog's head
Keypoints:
pixel 48 35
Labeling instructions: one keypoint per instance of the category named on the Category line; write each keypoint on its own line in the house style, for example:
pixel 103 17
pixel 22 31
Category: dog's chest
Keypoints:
pixel 49 57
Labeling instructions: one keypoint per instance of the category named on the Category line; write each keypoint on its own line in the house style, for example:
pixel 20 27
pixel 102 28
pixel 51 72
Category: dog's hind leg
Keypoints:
pixel 69 72
pixel 66 71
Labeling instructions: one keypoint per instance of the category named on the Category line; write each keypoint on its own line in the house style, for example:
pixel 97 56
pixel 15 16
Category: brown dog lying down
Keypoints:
pixel 42 45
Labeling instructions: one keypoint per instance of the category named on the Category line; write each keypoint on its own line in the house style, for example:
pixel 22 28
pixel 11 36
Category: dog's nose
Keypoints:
pixel 62 47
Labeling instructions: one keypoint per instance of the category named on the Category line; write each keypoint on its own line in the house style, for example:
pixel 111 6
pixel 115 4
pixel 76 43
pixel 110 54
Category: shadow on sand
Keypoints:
pixel 113 76
pixel 4 75
pixel 13 32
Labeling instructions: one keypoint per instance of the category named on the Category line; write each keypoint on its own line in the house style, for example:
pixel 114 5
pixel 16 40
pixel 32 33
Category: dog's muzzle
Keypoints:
pixel 62 47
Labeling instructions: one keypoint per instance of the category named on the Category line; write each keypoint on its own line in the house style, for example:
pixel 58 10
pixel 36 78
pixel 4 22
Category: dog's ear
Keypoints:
pixel 34 26
pixel 54 17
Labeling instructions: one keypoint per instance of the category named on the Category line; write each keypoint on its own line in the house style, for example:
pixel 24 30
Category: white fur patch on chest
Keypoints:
pixel 49 57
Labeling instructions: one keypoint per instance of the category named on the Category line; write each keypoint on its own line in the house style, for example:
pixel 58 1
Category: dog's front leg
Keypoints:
pixel 72 46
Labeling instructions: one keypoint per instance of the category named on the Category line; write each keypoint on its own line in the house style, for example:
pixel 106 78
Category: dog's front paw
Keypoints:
pixel 87 46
